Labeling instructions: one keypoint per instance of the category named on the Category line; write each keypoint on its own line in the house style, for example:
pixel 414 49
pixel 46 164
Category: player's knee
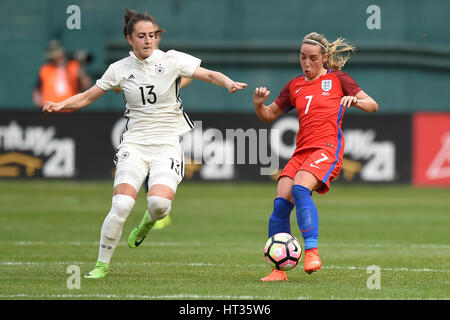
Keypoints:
pixel 122 204
pixel 120 210
pixel 158 207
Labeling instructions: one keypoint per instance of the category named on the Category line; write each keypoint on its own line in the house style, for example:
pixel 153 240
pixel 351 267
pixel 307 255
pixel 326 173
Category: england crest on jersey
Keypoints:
pixel 326 85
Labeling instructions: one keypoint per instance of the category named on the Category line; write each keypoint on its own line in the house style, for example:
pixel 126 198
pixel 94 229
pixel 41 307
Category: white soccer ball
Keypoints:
pixel 282 251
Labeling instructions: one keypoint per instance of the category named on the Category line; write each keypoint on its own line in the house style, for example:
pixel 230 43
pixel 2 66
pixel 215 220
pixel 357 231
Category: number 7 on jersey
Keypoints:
pixel 309 102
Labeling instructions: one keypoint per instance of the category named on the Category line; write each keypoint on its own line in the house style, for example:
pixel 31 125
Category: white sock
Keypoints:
pixel 113 225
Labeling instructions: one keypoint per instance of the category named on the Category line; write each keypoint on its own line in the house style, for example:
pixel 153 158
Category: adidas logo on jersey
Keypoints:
pixel 131 77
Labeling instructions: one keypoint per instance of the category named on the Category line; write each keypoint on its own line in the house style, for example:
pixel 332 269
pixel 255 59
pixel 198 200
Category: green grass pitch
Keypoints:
pixel 213 249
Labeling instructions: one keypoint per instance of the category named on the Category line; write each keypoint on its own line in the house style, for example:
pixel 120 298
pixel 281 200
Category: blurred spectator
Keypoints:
pixel 60 77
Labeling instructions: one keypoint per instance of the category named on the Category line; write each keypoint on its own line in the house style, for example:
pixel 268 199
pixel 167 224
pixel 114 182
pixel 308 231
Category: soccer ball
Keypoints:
pixel 282 251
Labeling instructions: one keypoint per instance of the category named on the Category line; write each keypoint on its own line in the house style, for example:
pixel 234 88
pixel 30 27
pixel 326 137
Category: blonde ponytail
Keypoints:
pixel 338 51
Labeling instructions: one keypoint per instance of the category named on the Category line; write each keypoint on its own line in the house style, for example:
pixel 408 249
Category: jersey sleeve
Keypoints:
pixel 186 64
pixel 349 86
pixel 108 80
pixel 284 100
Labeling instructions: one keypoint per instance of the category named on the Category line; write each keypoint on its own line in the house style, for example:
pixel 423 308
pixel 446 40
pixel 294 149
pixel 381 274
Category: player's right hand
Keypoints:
pixel 260 95
pixel 50 107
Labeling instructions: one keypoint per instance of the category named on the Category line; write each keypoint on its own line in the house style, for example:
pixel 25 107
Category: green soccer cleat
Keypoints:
pixel 160 224
pixel 100 271
pixel 138 234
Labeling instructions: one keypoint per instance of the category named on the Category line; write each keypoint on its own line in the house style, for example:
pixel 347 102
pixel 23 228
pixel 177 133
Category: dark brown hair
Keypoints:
pixel 158 28
pixel 131 18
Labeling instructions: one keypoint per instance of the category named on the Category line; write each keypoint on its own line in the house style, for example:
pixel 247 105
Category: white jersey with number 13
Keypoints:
pixel 151 89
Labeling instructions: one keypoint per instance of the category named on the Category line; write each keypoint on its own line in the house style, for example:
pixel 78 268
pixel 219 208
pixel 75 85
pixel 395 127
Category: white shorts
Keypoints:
pixel 164 163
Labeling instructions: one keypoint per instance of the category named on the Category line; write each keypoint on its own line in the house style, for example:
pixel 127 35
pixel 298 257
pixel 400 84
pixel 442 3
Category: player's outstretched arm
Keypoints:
pixel 265 113
pixel 218 78
pixel 185 82
pixel 75 102
pixel 361 101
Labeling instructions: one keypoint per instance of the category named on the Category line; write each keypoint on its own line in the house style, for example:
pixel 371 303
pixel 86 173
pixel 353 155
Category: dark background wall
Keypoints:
pixel 404 65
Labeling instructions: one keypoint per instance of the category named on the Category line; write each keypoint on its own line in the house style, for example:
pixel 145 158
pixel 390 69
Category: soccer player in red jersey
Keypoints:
pixel 320 97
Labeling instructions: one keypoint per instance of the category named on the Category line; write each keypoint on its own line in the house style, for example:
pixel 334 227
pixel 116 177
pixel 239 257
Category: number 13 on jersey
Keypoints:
pixel 148 95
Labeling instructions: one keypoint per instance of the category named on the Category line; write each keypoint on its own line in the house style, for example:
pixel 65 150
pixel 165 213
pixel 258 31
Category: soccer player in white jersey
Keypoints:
pixel 138 234
pixel 150 144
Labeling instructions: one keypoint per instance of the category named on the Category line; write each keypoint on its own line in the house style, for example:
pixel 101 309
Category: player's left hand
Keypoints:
pixel 348 101
pixel 50 107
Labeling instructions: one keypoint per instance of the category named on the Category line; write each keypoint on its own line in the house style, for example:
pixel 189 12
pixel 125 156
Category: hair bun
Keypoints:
pixel 129 14
pixel 131 18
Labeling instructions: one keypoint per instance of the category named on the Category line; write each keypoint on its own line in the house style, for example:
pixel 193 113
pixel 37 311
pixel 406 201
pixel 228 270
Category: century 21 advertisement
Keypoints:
pixel 221 147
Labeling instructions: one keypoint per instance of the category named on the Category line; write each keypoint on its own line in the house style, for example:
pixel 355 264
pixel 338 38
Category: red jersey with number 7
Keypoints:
pixel 319 109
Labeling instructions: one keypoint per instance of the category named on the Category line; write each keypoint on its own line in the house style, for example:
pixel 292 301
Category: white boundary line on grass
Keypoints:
pixel 387 269
pixel 78 243
pixel 215 265
pixel 180 297
pixel 196 243
pixel 137 296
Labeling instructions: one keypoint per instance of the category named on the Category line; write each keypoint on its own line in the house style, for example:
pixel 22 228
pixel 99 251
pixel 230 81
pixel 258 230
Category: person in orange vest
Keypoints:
pixel 59 78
